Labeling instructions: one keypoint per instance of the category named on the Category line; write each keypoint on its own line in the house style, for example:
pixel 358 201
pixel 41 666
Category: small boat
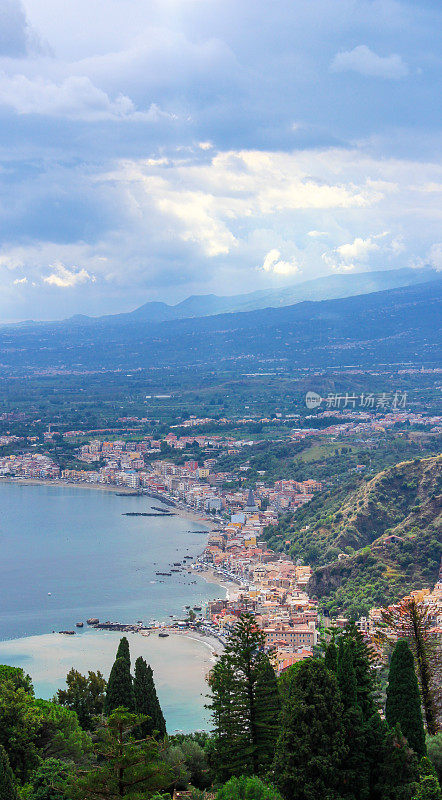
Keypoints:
pixel 68 633
pixel 79 624
pixel 163 635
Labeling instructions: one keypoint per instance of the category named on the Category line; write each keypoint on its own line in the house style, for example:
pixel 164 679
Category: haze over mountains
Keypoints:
pixel 325 288
pixel 393 326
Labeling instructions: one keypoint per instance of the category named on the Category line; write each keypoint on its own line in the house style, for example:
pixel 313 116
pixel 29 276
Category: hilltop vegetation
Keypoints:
pixel 372 543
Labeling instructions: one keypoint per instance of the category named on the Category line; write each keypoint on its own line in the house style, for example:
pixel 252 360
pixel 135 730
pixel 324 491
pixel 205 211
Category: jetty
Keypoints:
pixel 148 514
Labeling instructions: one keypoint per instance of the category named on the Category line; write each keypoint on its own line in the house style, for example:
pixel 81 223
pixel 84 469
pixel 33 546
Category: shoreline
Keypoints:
pixel 192 515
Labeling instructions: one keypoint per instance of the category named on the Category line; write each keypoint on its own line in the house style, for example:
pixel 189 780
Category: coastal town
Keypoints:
pixel 272 586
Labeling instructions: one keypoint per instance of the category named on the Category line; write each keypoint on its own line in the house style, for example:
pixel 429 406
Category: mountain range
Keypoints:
pixel 324 288
pixel 393 326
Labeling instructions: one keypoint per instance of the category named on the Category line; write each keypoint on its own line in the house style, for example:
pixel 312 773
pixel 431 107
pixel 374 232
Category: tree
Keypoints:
pixel 247 788
pixel 126 767
pixel 146 700
pixel 410 620
pixel 428 788
pixel 50 780
pixel 331 657
pixel 268 708
pixel 7 786
pixel 311 746
pixel 434 748
pixel 403 705
pixel 119 690
pixel 346 675
pixel 84 695
pixel 19 727
pixel 245 710
pixel 60 734
pixel 398 767
pixel 17 678
pixel 361 657
pixel 123 650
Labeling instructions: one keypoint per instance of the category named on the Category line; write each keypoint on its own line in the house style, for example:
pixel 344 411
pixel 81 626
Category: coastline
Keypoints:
pixel 191 514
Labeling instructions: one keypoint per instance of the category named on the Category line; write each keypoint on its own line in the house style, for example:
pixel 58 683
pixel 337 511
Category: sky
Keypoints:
pixel 154 149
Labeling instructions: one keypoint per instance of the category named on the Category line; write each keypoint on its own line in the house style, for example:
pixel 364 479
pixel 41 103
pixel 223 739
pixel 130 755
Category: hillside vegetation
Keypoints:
pixel 371 544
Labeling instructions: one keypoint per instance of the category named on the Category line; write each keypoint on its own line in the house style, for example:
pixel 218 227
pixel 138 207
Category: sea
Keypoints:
pixel 71 553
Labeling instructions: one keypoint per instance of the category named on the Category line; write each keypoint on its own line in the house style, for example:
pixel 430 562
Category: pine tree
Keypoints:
pixel 125 767
pixel 331 656
pixel 268 709
pixel 311 746
pixel 243 719
pixel 119 692
pixel 411 620
pixel 146 700
pixel 361 659
pixel 346 675
pixel 355 766
pixel 403 704
pixel 7 788
pixel 229 755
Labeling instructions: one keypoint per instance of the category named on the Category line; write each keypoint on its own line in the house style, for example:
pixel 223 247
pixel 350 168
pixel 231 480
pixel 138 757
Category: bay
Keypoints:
pixel 68 553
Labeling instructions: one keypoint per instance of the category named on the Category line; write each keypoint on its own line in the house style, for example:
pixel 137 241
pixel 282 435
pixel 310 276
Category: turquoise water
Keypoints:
pixel 67 554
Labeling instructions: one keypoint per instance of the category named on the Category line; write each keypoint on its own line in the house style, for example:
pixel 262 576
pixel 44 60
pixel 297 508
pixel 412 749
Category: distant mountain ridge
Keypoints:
pixel 329 287
pixel 390 326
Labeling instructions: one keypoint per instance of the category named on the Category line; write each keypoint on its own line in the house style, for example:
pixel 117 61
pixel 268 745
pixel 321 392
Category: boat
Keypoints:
pixel 197 608
pixel 68 633
pixel 163 635
pixel 79 624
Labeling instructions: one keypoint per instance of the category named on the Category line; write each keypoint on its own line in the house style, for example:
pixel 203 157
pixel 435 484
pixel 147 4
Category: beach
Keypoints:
pixel 180 664
pixel 69 554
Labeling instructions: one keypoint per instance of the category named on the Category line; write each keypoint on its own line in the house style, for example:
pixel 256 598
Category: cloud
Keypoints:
pixel 364 61
pixel 358 249
pixel 17 38
pixel 18 281
pixel 75 98
pixel 346 257
pixel 435 256
pixel 316 234
pixel 274 263
pixel 65 278
pixel 207 203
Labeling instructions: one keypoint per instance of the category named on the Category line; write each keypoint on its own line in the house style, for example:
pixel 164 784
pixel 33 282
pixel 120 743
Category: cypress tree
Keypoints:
pixel 268 709
pixel 398 767
pixel 119 692
pixel 311 746
pixel 7 788
pixel 403 704
pixel 146 700
pixel 123 650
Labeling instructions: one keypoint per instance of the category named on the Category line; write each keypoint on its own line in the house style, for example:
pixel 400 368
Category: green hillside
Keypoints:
pixel 371 544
